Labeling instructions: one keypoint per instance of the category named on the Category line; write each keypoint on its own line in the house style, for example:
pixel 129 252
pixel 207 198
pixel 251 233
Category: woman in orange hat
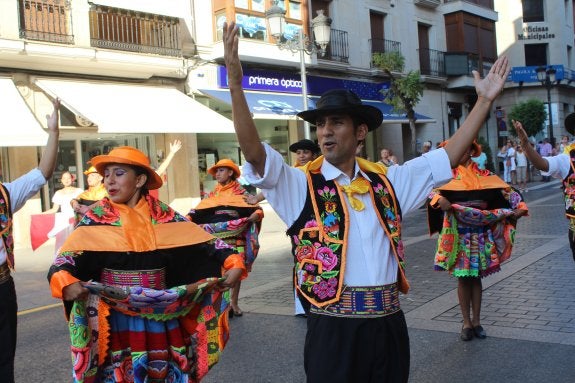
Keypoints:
pixel 226 215
pixel 475 215
pixel 142 285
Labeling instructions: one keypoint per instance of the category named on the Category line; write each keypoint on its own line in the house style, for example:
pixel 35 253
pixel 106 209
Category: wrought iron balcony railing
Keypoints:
pixel 431 62
pixel 464 63
pixel 46 20
pixel 338 47
pixel 133 31
pixel 382 46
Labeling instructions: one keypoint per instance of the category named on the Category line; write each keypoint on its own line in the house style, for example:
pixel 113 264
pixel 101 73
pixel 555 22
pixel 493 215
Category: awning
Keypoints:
pixel 19 125
pixel 390 116
pixel 271 106
pixel 120 108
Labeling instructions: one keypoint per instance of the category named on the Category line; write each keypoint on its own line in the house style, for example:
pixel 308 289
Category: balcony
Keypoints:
pixel 46 20
pixel 338 47
pixel 382 46
pixel 431 62
pixel 127 30
pixel 428 3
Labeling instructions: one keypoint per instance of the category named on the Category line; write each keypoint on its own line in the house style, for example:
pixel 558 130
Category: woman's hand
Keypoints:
pixel 74 292
pixel 232 277
pixel 518 213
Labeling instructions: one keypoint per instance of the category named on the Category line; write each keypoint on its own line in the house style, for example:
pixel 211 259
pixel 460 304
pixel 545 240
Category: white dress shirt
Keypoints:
pixel 369 261
pixel 20 190
pixel 559 166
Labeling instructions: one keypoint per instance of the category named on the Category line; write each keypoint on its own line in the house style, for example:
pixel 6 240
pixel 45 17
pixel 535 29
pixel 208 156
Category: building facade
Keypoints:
pixel 119 68
pixel 538 34
pixel 444 40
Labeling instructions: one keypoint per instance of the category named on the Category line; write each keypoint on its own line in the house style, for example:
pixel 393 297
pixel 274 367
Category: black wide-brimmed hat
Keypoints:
pixel 343 101
pixel 570 123
pixel 304 144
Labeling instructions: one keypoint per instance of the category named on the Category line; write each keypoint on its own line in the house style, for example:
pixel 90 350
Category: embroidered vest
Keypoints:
pixel 6 225
pixel 319 236
pixel 569 190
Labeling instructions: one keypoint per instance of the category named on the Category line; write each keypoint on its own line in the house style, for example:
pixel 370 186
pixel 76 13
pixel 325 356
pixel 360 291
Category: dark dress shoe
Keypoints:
pixel 479 332
pixel 466 334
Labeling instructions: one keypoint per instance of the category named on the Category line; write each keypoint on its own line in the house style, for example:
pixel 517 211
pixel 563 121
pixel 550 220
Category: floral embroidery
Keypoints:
pixel 305 250
pixel 326 256
pixel 325 289
pixel 102 213
pixel 66 257
pixel 160 212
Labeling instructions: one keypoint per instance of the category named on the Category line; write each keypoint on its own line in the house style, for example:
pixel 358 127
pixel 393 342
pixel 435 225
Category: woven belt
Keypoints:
pixel 4 273
pixel 363 302
pixel 154 279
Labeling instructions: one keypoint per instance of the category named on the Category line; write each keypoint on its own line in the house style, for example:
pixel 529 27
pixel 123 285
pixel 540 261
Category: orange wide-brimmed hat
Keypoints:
pixel 129 156
pixel 90 170
pixel 225 163
pixel 474 145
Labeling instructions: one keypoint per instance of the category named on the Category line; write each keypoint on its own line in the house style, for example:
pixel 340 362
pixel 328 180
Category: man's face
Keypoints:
pixel 303 156
pixel 337 138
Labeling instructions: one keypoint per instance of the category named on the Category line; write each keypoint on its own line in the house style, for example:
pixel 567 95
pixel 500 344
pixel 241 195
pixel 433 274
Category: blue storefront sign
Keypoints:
pixel 529 73
pixel 283 82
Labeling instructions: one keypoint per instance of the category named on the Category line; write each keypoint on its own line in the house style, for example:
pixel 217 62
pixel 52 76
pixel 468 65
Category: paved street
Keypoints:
pixel 528 310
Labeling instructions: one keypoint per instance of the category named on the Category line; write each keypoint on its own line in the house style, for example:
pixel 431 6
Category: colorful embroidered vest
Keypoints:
pixel 6 225
pixel 569 190
pixel 319 235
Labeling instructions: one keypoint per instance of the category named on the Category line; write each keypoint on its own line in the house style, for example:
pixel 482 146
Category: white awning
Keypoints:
pixel 121 108
pixel 19 126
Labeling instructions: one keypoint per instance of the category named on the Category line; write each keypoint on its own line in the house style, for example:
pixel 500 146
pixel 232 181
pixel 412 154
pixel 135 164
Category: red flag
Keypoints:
pixel 40 226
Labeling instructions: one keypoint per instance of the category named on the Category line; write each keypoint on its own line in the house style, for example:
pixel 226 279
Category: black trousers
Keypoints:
pixel 350 350
pixel 8 321
pixel 572 242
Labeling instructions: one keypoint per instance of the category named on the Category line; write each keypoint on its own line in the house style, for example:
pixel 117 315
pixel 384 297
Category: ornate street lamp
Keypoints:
pixel 321 26
pixel 547 78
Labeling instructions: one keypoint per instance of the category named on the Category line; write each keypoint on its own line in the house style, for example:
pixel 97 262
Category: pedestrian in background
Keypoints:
pixel 159 314
pixel 95 192
pixel 225 214
pixel 13 195
pixel 385 157
pixel 475 215
pixel 521 159
pixel 480 160
pixel 345 225
pixel 559 166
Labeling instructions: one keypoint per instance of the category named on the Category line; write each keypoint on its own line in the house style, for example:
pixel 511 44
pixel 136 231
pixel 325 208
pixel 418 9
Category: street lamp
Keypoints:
pixel 547 78
pixel 321 26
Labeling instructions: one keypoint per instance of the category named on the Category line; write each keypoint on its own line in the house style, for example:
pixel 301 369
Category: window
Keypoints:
pixel 535 54
pixel 251 27
pixel 532 11
pixel 292 8
pixel 254 5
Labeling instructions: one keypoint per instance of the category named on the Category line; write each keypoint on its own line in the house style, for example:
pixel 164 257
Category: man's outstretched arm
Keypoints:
pixel 246 131
pixel 487 90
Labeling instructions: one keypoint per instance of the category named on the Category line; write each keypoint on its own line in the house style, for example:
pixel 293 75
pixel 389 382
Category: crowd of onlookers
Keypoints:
pixel 512 163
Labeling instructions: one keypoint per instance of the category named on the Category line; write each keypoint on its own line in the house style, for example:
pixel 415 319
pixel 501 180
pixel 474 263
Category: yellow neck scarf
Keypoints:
pixel 358 186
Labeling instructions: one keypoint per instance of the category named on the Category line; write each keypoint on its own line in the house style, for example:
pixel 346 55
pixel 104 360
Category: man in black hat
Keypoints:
pixel 559 166
pixel 344 220
pixel 305 151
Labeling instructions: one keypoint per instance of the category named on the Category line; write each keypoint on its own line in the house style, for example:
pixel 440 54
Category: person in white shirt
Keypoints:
pixel 521 162
pixel 13 195
pixel 559 166
pixel 344 220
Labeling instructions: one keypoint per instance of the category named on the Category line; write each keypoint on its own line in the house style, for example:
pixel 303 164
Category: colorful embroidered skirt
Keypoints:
pixel 239 233
pixel 150 336
pixel 474 242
